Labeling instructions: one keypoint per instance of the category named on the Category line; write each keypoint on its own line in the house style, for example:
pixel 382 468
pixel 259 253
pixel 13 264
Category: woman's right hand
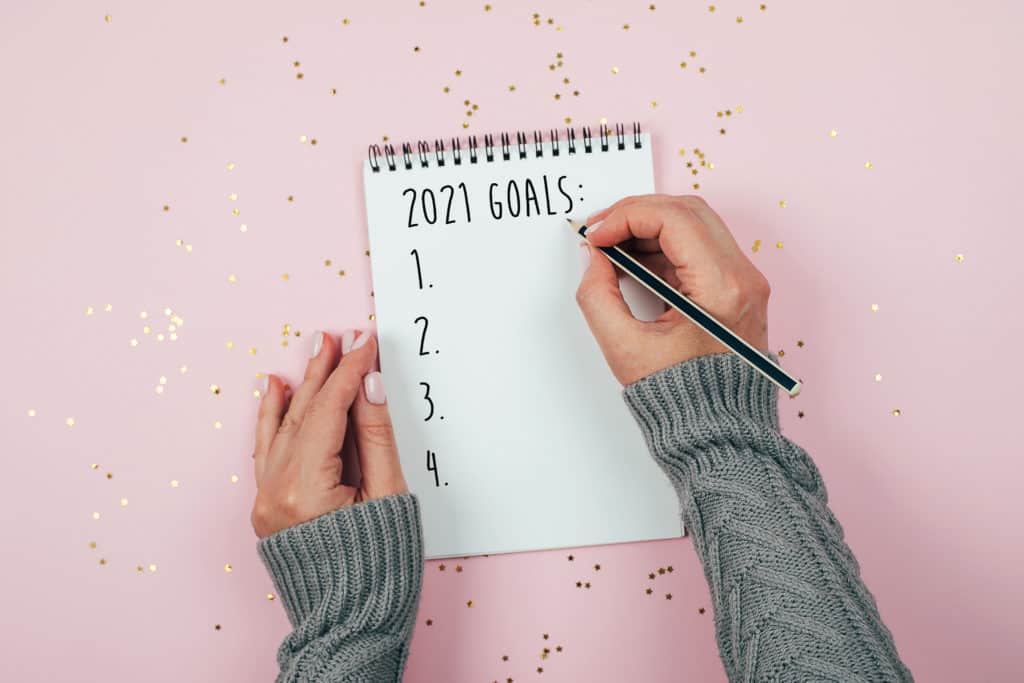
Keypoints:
pixel 690 247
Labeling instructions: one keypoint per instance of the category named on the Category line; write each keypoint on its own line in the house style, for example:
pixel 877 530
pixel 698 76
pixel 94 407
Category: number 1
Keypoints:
pixel 419 274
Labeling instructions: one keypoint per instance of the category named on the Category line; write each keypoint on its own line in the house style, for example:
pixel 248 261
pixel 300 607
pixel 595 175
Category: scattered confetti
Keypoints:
pixel 959 258
pixel 896 412
pixel 31 412
pixel 271 596
pixel 175 483
pixel 782 203
pixel 95 515
pixel 757 245
pixel 228 568
pixel 833 133
pixel 878 378
pixel 124 502
pixel 234 478
pixel 868 165
pixel 874 308
pixel 615 69
pixel 152 569
pixel 70 422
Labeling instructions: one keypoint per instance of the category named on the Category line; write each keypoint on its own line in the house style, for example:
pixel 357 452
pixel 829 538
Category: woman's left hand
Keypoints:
pixel 336 423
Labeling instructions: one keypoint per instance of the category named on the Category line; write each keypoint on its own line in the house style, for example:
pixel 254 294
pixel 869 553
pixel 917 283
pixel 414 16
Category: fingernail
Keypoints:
pixel 318 343
pixel 373 385
pixel 347 337
pixel 591 229
pixel 584 255
pixel 362 340
pixel 266 383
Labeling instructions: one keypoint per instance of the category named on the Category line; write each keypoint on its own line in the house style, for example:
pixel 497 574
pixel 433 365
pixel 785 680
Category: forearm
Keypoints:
pixel 350 582
pixel 788 599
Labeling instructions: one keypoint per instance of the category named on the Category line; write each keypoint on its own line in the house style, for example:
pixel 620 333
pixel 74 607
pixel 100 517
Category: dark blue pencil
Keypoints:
pixel 758 360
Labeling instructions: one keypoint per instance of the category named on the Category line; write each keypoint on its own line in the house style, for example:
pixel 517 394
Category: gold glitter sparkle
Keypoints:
pixel 959 258
pixel 878 378
pixel 874 308
pixel 228 568
pixel 234 478
pixel 868 165
pixel 31 412
pixel 70 422
pixel 896 412
pixel 175 483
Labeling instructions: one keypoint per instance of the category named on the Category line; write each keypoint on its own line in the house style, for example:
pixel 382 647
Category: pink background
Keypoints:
pixel 90 151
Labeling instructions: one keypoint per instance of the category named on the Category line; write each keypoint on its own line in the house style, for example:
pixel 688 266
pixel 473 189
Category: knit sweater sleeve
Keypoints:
pixel 788 599
pixel 350 582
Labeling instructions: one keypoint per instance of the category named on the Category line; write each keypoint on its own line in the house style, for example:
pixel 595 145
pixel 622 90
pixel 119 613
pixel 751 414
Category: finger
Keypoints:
pixel 375 438
pixel 625 201
pixel 268 420
pixel 322 433
pixel 323 358
pixel 683 237
pixel 601 302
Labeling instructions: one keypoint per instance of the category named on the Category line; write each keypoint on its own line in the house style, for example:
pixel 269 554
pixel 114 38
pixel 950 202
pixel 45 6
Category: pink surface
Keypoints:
pixel 90 127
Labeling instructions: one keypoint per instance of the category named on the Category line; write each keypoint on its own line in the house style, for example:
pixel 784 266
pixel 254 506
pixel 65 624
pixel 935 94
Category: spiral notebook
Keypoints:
pixel 511 428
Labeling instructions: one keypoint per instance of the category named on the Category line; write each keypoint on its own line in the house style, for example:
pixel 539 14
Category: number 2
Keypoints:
pixel 423 335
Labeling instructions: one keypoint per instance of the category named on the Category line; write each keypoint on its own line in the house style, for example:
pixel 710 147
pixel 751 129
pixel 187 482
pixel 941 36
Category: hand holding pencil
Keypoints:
pixel 688 247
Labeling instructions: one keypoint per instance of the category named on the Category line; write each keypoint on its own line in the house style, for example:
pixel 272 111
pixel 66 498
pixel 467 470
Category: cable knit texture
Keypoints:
pixel 350 583
pixel 788 599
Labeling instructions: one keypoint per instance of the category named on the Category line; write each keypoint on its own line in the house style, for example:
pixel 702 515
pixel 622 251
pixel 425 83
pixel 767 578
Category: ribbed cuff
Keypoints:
pixel 701 408
pixel 362 563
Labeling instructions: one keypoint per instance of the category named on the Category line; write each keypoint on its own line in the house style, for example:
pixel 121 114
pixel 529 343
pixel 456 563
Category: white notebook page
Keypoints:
pixel 528 444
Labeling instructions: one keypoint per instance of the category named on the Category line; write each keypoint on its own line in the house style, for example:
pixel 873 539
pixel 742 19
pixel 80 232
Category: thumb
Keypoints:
pixel 375 438
pixel 601 302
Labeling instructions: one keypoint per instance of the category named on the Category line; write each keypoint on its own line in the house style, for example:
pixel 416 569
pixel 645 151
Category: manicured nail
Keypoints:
pixel 362 340
pixel 347 337
pixel 373 385
pixel 318 343
pixel 584 255
pixel 266 384
pixel 591 229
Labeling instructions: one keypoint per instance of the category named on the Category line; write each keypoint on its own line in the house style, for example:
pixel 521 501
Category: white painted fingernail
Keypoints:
pixel 347 337
pixel 363 338
pixel 373 385
pixel 266 384
pixel 318 343
pixel 593 228
pixel 584 255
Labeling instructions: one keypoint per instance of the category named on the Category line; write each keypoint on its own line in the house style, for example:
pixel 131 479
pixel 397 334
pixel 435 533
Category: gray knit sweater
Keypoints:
pixel 788 600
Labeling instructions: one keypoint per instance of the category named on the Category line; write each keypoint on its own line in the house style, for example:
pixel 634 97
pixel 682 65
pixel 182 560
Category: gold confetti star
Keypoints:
pixel 800 343
pixel 615 69
pixel 215 389
pixel 896 412
pixel 234 478
pixel 878 378
pixel 469 603
pixel 291 198
pixel 107 18
pixel 103 562
pixel 70 422
pixel 175 483
pixel 778 245
pixel 92 545
pixel 764 7
pixel 487 8
pixel 271 596
pixel 833 133
pixel 232 278
pixel 739 20
pixel 31 412
pixel 124 502
pixel 874 308
pixel 711 8
pixel 868 165
pixel 800 414
pixel 625 27
pixel 511 88
pixel 216 627
pixel 152 569
pixel 333 91
pixel 218 424
pixel 959 258
pixel 345 22
pixel 782 203
pixel 228 568
pixel 184 138
pixel 95 515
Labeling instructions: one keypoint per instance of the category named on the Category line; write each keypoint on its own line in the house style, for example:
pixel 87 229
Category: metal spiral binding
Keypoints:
pixel 423 151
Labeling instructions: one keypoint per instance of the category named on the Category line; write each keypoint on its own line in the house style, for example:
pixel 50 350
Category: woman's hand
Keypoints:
pixel 335 426
pixel 687 245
